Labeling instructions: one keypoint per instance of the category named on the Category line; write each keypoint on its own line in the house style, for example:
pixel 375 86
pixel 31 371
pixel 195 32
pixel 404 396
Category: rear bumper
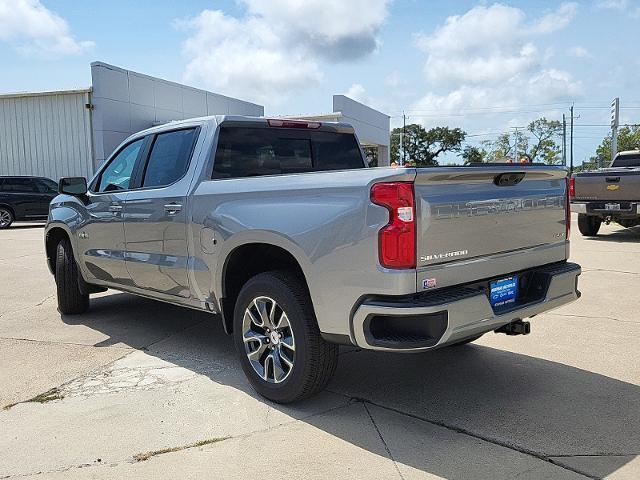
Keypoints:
pixel 428 321
pixel 627 209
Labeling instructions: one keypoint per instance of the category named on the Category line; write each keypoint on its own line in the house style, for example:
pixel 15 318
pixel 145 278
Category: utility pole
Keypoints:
pixel 401 152
pixel 615 122
pixel 571 134
pixel 404 132
pixel 564 140
pixel 515 155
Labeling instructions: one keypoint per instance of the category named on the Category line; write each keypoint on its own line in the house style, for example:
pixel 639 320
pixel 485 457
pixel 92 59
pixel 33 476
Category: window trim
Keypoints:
pixel 98 178
pixel 142 167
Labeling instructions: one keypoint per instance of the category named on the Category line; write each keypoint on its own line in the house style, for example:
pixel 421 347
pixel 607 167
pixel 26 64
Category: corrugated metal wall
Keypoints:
pixel 46 135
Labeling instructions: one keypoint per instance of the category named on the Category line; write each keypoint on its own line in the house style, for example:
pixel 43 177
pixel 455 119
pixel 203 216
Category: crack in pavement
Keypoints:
pixel 613 319
pixel 73 344
pixel 585 270
pixel 463 431
pixel 384 443
pixel 28 307
pixel 132 459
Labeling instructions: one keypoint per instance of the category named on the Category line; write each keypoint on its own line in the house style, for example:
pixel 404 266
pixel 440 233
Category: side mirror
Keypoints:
pixel 76 186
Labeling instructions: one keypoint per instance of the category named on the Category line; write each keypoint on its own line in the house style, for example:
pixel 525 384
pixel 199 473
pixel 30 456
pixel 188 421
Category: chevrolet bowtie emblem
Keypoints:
pixel 613 187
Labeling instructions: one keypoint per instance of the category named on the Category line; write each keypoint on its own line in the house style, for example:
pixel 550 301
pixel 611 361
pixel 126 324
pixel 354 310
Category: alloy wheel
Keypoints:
pixel 268 339
pixel 5 218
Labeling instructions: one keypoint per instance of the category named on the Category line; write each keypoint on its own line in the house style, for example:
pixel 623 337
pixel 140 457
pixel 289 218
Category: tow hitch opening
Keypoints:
pixel 517 327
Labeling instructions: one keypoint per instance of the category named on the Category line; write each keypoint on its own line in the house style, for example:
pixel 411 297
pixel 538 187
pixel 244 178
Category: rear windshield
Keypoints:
pixel 254 151
pixel 626 161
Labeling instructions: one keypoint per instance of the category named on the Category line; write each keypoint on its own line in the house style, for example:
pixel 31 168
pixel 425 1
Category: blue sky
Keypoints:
pixel 482 66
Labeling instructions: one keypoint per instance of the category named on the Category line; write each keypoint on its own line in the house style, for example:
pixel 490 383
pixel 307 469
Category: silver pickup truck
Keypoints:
pixel 608 194
pixel 279 228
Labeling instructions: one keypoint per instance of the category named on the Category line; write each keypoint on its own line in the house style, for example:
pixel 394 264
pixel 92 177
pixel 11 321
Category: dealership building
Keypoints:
pixel 71 132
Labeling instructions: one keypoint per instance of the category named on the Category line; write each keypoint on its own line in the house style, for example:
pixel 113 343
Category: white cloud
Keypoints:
pixel 578 52
pixel 278 46
pixel 394 79
pixel 626 7
pixel 32 28
pixel 488 58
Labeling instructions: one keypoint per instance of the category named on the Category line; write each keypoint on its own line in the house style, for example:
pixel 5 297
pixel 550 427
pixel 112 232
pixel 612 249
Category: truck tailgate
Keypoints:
pixel 617 184
pixel 474 216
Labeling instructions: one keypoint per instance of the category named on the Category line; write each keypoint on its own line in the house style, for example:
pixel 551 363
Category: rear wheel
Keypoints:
pixel 588 225
pixel 72 300
pixel 6 217
pixel 278 341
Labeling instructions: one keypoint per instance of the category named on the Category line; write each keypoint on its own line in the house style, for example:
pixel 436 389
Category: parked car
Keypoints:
pixel 608 194
pixel 25 198
pixel 280 228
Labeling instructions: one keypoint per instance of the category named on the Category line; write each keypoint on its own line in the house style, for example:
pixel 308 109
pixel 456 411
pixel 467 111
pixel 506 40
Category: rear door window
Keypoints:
pixel 19 185
pixel 254 151
pixel 169 157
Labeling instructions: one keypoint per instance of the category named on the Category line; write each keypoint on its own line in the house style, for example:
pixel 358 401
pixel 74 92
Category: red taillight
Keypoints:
pixel 276 122
pixel 572 188
pixel 571 193
pixel 397 239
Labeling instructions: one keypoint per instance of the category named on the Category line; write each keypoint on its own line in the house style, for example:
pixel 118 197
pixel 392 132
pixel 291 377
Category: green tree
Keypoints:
pixel 471 154
pixel 422 146
pixel 545 135
pixel 628 139
pixel 503 147
pixel 539 142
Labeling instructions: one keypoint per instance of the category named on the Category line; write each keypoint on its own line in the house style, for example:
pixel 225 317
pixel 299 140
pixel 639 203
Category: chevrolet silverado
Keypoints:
pixel 280 229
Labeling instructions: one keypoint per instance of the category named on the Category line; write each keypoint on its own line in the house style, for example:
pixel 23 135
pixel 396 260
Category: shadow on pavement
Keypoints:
pixel 624 235
pixel 19 226
pixel 528 404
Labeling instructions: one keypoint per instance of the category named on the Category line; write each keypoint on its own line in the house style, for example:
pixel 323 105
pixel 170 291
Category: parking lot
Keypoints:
pixel 140 389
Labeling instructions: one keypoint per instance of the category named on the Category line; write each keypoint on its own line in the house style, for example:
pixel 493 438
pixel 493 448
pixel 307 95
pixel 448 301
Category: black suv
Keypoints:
pixel 25 198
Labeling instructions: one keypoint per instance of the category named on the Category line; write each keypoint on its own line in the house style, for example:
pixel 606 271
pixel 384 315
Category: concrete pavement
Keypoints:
pixel 146 390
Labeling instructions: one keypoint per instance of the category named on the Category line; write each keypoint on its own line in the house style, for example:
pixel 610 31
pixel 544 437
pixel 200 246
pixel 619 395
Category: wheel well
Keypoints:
pixel 246 262
pixel 51 243
pixel 8 207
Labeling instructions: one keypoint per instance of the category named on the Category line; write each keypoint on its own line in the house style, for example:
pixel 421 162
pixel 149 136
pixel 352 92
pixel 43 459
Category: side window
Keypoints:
pixel 46 186
pixel 169 158
pixel 19 185
pixel 117 175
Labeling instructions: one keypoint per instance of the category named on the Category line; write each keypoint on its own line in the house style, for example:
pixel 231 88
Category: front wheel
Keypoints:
pixel 278 341
pixel 588 225
pixel 72 300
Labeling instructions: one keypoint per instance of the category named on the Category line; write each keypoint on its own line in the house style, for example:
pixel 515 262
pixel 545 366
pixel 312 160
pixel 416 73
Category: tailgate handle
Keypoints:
pixel 508 179
pixel 612 179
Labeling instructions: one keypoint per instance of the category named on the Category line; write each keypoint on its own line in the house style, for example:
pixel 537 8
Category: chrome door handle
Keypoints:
pixel 172 208
pixel 115 209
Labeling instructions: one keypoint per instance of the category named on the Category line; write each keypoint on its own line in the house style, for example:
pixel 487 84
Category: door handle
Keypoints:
pixel 115 209
pixel 172 208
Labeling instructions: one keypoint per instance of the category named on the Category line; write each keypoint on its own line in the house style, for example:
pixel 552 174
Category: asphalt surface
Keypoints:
pixel 139 389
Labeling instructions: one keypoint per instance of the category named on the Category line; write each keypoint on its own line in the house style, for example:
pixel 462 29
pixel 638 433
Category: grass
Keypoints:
pixel 142 457
pixel 48 396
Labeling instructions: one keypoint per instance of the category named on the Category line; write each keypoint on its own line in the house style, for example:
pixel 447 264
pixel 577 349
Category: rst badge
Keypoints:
pixel 429 283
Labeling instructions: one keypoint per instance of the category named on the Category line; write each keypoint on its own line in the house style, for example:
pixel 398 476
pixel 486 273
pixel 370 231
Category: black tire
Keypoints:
pixel 588 225
pixel 467 341
pixel 71 299
pixel 314 360
pixel 6 217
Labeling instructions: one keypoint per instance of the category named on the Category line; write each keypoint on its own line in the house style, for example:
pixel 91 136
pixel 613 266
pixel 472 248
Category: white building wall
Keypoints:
pixel 371 126
pixel 126 102
pixel 45 134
